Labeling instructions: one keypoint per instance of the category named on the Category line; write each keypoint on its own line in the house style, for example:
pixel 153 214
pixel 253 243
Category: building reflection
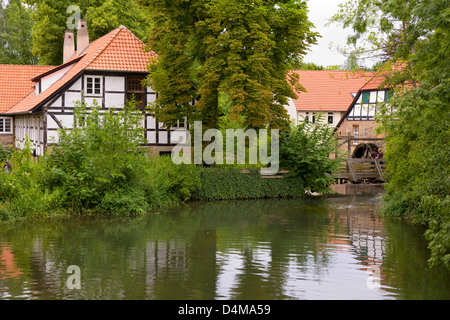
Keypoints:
pixel 262 250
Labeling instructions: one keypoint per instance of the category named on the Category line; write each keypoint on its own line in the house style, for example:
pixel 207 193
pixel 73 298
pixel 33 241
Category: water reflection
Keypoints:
pixel 336 248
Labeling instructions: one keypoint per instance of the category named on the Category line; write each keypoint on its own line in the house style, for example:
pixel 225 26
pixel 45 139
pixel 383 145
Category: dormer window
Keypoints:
pixel 93 86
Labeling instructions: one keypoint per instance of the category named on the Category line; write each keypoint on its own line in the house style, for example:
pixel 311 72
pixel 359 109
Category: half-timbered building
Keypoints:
pixel 108 72
pixel 358 123
pixel 327 92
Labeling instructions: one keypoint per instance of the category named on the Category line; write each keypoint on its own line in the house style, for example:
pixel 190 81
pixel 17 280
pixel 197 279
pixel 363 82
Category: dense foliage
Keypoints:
pixel 50 19
pixel 305 150
pixel 414 35
pixel 99 167
pixel 15 33
pixel 225 183
pixel 96 167
pixel 418 152
pixel 240 51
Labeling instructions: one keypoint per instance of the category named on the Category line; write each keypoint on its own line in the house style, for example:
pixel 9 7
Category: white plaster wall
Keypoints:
pixel 52 137
pixel 114 84
pixel 51 124
pixel 71 98
pixel 151 137
pixel 90 102
pixel 151 122
pixel 114 100
pixel 76 86
pixel 57 103
pixel 151 98
pixel 66 121
pixel 292 111
pixel 337 115
pixel 163 137
pixel 52 78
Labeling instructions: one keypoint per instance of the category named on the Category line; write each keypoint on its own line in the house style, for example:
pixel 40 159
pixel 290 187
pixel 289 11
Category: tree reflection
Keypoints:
pixel 256 249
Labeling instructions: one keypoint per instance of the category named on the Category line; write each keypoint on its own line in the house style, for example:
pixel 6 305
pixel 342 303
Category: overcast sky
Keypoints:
pixel 320 11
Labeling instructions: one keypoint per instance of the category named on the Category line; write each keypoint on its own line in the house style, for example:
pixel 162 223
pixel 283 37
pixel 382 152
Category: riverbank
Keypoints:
pixel 358 189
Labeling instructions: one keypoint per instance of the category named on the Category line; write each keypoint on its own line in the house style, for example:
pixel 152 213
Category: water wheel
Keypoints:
pixel 363 150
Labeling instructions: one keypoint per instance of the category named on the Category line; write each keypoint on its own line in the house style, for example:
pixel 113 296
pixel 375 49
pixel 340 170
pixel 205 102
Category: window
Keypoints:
pixel 355 134
pixel 93 86
pixel 366 106
pixel 5 125
pixel 136 90
pixel 313 118
pixel 330 118
pixel 366 97
pixel 181 124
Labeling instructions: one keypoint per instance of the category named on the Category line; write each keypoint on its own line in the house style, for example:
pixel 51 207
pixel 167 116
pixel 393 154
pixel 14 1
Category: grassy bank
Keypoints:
pixel 41 189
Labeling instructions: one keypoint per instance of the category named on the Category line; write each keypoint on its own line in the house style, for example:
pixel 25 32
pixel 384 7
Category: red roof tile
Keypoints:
pixel 16 84
pixel 329 90
pixel 386 71
pixel 119 50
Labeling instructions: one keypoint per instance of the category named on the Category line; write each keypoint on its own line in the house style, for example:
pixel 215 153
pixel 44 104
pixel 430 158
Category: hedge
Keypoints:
pixel 226 183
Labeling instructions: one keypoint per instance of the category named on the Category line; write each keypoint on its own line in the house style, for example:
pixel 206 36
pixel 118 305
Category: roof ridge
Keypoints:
pixel 135 36
pixel 26 65
pixel 114 33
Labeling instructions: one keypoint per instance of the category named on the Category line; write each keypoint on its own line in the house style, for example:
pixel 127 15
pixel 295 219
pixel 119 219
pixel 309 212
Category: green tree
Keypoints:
pixel 15 33
pixel 238 52
pixel 51 16
pixel 381 28
pixel 416 40
pixel 305 150
pixel 310 66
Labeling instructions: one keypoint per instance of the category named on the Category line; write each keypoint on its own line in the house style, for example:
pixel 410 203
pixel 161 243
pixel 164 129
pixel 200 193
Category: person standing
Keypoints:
pixel 374 154
pixel 7 167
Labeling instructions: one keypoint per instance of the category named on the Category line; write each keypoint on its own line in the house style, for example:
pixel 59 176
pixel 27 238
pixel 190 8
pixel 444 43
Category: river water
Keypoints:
pixel 333 248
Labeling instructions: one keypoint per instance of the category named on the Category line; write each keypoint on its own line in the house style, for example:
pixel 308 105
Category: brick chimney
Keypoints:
pixel 69 46
pixel 82 37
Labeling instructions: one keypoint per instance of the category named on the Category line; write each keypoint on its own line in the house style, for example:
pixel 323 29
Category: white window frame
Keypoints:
pixel 93 94
pixel 330 114
pixel 3 127
pixel 180 124
pixel 355 134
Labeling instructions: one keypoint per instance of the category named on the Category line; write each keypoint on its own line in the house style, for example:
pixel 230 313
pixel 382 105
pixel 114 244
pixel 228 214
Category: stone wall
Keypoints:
pixel 366 131
pixel 7 140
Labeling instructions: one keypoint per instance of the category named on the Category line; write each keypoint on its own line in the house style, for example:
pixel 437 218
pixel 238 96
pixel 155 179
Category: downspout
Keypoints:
pixel 45 128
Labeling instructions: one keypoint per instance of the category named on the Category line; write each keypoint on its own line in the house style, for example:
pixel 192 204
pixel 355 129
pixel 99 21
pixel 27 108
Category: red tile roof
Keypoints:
pixel 329 90
pixel 16 84
pixel 388 70
pixel 119 50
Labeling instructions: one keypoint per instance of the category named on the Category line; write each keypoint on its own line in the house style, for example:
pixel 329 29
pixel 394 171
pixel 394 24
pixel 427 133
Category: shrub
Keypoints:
pixel 226 183
pixel 305 150
pixel 20 189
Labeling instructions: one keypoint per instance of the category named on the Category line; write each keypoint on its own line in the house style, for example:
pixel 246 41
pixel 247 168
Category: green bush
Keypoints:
pixel 99 166
pixel 20 190
pixel 226 183
pixel 417 155
pixel 305 150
